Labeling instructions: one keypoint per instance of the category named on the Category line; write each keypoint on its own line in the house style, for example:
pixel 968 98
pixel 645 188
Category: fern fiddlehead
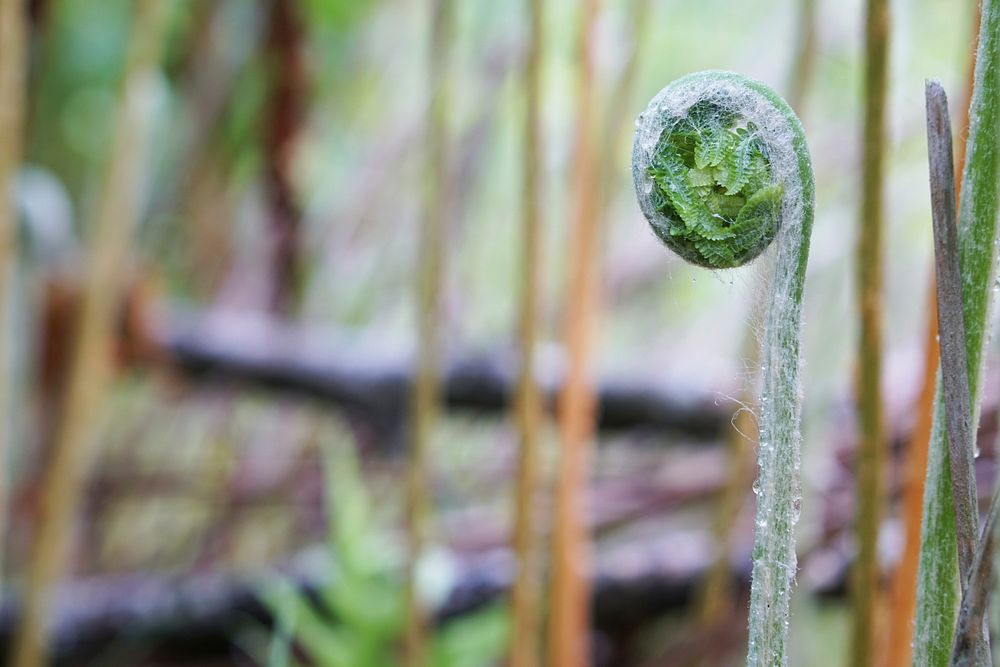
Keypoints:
pixel 722 171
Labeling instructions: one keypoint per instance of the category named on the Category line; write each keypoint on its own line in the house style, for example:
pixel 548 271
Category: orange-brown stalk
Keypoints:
pixel 89 375
pixel 569 620
pixel 903 585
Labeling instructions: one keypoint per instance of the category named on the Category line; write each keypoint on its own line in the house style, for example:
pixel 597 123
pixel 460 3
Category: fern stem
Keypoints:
pixel 426 390
pixel 89 375
pixel 977 220
pixel 788 163
pixel 717 595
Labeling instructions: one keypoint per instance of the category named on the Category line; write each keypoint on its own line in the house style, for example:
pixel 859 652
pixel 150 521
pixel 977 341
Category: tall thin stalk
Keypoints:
pixel 977 221
pixel 525 598
pixel 870 457
pixel 804 60
pixel 569 619
pixel 616 115
pixel 13 61
pixel 89 376
pixel 426 390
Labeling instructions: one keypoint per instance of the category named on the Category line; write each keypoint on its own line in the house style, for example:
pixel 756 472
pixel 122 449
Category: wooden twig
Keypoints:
pixel 193 618
pixel 951 325
pixel 373 386
pixel 117 211
pixel 871 441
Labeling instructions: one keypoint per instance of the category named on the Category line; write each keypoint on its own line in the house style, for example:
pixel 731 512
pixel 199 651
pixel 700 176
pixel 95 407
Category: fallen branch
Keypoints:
pixel 373 384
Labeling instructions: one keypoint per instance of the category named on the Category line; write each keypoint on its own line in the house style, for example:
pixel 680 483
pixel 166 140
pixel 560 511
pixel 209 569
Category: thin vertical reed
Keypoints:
pixel 89 376
pixel 870 460
pixel 426 391
pixel 524 638
pixel 570 590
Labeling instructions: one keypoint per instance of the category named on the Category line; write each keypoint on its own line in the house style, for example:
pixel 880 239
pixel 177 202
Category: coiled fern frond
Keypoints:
pixel 722 172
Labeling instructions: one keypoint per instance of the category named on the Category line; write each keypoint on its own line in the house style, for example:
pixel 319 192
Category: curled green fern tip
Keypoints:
pixel 704 172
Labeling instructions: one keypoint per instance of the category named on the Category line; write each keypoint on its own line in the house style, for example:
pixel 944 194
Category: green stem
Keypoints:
pixel 790 166
pixel 870 459
pixel 937 585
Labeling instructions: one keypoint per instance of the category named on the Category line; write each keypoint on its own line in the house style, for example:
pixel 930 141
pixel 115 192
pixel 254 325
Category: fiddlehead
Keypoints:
pixel 722 171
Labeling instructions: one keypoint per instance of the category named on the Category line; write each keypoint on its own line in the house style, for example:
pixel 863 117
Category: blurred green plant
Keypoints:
pixel 358 615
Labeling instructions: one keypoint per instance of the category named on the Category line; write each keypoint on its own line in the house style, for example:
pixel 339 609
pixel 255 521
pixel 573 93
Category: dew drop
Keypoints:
pixel 756 487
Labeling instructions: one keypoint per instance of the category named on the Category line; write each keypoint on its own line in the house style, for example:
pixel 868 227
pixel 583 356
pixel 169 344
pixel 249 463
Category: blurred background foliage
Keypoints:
pixel 190 478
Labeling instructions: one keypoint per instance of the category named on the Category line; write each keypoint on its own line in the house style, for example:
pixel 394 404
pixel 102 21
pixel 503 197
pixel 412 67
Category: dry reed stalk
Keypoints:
pixel 90 371
pixel 526 594
pixel 569 600
pixel 870 458
pixel 426 390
